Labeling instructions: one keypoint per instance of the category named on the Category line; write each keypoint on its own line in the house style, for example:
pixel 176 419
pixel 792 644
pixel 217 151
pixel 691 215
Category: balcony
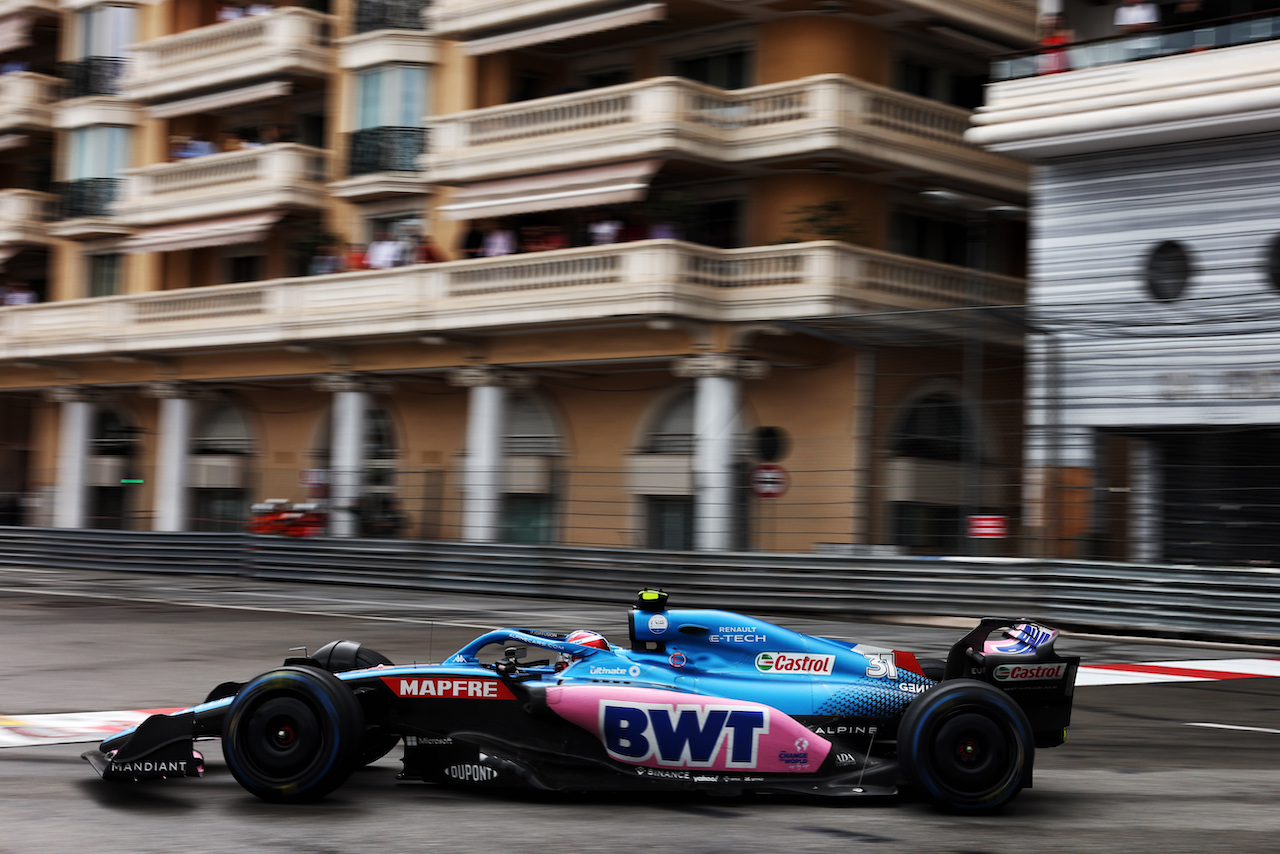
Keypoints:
pixel 642 279
pixel 1127 92
pixel 87 209
pixel 94 75
pixel 374 15
pixel 24 216
pixel 1009 20
pixel 26 101
pixel 289 42
pixel 827 116
pixel 28 7
pixel 383 162
pixel 283 176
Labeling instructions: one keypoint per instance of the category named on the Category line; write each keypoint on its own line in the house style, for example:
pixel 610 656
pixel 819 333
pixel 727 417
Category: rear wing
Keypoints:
pixel 1024 664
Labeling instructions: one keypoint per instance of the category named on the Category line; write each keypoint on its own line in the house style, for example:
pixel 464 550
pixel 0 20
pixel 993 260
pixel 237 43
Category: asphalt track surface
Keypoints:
pixel 1134 776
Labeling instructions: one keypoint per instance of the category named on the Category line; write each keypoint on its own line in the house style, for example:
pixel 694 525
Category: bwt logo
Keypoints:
pixel 691 736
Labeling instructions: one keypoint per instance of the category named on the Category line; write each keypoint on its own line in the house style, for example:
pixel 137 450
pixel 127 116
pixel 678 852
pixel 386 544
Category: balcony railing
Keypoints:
pixel 385 149
pixel 802 280
pixel 1165 41
pixel 247 180
pixel 24 214
pixel 824 115
pixel 290 40
pixel 26 100
pixel 1014 19
pixel 94 75
pixel 87 197
pixel 390 15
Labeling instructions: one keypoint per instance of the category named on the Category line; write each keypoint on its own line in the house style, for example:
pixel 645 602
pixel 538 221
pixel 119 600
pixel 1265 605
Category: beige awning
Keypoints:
pixel 567 30
pixel 227 231
pixel 221 100
pixel 15 32
pixel 579 188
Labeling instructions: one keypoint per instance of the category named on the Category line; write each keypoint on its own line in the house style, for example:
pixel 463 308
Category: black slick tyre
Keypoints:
pixel 966 745
pixel 342 655
pixel 293 734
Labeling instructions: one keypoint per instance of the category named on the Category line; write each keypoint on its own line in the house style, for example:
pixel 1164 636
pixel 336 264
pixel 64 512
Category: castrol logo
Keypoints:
pixel 798 663
pixel 1029 672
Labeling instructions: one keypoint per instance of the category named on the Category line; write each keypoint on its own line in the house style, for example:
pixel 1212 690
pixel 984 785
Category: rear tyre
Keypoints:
pixel 293 734
pixel 966 745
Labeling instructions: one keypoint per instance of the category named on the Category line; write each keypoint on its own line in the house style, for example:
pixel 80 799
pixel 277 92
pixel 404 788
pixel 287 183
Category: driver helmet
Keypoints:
pixel 583 638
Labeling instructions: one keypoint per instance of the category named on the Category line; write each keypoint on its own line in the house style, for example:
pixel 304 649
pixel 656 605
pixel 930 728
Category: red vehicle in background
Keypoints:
pixel 282 518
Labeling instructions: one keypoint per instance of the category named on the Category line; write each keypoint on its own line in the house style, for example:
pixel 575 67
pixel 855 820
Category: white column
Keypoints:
pixel 172 494
pixel 71 495
pixel 346 462
pixel 484 467
pixel 716 427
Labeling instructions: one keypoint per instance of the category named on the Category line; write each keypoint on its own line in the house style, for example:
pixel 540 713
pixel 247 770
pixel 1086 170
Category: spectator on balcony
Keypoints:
pixel 428 252
pixel 225 141
pixel 19 293
pixel 197 146
pixel 261 8
pixel 1053 36
pixel 384 252
pixel 354 258
pixel 177 146
pixel 326 260
pixel 605 230
pixel 230 11
pixel 499 241
pixel 1134 16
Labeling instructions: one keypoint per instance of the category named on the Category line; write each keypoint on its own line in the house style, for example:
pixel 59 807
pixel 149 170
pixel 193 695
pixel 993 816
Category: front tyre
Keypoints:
pixel 293 734
pixel 966 745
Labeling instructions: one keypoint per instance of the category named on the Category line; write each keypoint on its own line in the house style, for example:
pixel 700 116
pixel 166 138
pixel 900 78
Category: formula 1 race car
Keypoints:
pixel 703 700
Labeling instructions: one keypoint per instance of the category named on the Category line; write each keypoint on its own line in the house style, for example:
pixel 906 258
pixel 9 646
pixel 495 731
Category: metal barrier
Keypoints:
pixel 1220 603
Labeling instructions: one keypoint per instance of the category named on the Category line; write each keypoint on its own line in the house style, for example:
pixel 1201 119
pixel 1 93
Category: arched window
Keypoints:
pixel 672 431
pixel 222 430
pixel 530 429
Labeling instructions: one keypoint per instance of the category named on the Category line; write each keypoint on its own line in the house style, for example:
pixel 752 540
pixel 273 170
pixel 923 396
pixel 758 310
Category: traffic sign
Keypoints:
pixel 988 527
pixel 769 480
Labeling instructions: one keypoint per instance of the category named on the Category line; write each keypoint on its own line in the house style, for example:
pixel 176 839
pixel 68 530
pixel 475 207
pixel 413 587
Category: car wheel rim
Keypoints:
pixel 283 737
pixel 973 754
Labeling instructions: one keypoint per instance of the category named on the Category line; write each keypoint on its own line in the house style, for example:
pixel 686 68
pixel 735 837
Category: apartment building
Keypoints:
pixel 1153 406
pixel 674 241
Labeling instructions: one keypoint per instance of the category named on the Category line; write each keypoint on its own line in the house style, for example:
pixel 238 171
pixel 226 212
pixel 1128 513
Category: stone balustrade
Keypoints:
pixel 650 277
pixel 826 115
pixel 26 101
pixel 289 41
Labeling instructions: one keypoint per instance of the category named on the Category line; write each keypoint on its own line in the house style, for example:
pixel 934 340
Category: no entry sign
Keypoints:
pixel 769 480
pixel 993 527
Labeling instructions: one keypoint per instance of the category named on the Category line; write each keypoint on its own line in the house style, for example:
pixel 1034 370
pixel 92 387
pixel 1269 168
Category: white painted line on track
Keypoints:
pixel 1240 728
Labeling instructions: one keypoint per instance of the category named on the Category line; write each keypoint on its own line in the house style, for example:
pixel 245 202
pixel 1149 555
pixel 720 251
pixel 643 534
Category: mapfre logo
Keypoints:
pixel 802 663
pixel 448 689
pixel 1029 672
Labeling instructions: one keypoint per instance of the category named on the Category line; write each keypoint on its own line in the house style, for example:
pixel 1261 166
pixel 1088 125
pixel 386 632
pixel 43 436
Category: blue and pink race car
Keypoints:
pixel 702 700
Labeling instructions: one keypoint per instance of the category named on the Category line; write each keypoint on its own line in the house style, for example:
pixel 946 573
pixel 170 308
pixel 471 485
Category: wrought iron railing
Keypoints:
pixel 87 197
pixel 385 149
pixel 390 15
pixel 93 75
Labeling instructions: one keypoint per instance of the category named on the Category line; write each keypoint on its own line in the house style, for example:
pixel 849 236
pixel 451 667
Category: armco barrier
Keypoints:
pixel 1211 602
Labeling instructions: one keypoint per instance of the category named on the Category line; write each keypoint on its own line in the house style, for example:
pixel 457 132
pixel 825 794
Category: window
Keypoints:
pixel 921 236
pixel 97 151
pixel 391 96
pixel 106 31
pixel 104 274
pixel 727 68
pixel 528 519
pixel 718 224
pixel 609 77
pixel 670 522
pixel 673 433
pixel 1169 268
pixel 919 76
pixel 936 427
